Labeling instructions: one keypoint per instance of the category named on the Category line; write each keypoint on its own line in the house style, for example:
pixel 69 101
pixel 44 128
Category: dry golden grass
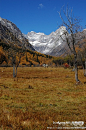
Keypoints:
pixel 39 96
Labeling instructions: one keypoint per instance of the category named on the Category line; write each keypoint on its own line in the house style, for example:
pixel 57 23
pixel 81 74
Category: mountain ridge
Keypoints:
pixel 53 44
pixel 47 43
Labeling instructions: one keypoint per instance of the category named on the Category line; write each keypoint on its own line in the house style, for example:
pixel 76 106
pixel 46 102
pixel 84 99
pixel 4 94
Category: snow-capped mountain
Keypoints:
pixel 48 44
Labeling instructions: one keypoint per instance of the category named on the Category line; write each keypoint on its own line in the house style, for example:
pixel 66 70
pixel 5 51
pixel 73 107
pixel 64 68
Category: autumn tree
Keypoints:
pixel 2 56
pixel 58 61
pixel 69 59
pixel 72 25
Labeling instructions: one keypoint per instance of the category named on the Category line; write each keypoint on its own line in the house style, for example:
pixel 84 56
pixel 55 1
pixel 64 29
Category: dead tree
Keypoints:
pixel 15 55
pixel 71 33
pixel 82 59
pixel 14 52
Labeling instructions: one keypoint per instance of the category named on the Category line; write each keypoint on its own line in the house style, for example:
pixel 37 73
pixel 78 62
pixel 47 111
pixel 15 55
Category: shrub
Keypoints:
pixel 66 65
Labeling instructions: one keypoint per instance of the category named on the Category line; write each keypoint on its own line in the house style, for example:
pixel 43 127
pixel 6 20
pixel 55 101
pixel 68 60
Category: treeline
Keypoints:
pixel 24 56
pixel 8 52
pixel 69 59
pixel 33 58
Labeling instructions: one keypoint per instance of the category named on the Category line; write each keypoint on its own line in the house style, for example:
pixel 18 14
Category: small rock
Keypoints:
pixel 67 76
pixel 30 87
pixel 5 86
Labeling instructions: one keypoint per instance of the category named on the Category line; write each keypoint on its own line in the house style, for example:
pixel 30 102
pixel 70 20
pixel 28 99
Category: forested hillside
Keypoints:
pixel 28 57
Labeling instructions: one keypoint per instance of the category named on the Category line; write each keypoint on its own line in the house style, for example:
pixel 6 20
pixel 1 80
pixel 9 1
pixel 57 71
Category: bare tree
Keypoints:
pixel 14 54
pixel 83 55
pixel 14 51
pixel 72 35
pixel 82 59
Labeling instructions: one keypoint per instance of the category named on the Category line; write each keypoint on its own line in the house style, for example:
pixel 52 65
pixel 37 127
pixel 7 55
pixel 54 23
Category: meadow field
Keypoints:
pixel 40 96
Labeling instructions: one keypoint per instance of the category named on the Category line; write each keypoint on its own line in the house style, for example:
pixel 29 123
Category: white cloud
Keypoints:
pixel 41 6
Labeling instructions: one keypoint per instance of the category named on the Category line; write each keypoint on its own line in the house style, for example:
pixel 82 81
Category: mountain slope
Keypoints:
pixel 10 33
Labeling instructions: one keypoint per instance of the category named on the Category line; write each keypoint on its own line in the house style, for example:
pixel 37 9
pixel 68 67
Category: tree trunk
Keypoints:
pixel 84 66
pixel 76 73
pixel 14 74
pixel 85 69
pixel 16 70
pixel 76 69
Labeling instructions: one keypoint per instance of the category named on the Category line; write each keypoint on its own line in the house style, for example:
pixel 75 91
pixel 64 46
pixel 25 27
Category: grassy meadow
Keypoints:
pixel 39 96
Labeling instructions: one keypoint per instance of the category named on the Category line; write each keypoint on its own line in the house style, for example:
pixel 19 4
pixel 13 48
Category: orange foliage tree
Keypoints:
pixel 2 56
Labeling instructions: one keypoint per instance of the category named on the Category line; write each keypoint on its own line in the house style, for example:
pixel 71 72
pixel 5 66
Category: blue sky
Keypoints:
pixel 39 15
